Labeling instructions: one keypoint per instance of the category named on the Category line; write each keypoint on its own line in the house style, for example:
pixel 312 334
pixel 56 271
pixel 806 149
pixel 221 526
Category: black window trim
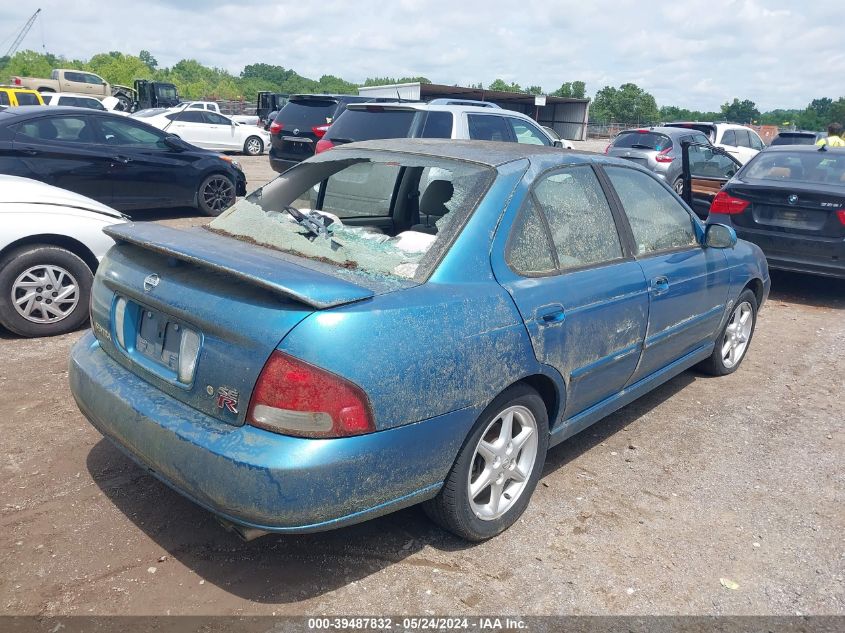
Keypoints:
pixel 697 228
pixel 623 230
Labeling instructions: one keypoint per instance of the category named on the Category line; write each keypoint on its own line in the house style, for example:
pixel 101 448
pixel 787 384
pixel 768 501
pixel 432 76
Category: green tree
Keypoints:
pixel 572 90
pixel 627 104
pixel 148 59
pixel 740 111
pixel 500 84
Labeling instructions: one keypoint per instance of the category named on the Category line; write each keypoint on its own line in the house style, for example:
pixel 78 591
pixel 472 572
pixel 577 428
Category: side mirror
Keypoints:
pixel 174 142
pixel 719 236
pixel 558 144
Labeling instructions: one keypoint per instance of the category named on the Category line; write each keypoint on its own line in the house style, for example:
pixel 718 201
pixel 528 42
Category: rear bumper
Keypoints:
pixel 259 479
pixel 282 164
pixel 806 254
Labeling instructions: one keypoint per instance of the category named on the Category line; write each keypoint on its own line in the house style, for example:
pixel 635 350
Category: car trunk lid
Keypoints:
pixel 239 299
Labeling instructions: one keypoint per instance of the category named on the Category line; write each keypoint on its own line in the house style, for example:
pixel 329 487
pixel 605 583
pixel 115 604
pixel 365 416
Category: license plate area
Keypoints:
pixel 159 338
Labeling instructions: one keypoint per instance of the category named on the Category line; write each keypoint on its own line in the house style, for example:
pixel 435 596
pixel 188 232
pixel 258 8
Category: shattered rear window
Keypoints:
pixel 378 212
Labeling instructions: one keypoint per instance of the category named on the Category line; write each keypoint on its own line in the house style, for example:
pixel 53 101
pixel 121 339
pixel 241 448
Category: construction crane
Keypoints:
pixel 22 34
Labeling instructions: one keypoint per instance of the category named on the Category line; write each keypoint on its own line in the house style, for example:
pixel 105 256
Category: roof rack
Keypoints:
pixel 468 102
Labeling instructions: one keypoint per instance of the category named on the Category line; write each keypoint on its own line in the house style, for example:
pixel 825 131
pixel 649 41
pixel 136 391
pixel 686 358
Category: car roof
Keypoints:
pixel 803 148
pixel 490 153
pixel 439 107
pixel 28 112
pixel 668 131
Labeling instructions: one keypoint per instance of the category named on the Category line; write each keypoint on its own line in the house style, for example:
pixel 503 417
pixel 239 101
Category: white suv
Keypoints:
pixel 441 118
pixel 740 141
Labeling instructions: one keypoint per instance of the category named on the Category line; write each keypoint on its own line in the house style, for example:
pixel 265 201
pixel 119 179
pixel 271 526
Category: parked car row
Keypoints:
pixel 309 124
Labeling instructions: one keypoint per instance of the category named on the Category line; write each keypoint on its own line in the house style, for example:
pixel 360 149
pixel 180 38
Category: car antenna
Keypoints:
pixel 178 112
pixel 823 147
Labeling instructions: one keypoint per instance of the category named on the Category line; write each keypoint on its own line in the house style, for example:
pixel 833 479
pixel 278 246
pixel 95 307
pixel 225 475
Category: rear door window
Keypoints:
pixel 4 98
pixel 657 219
pixel 485 127
pixel 729 138
pixel 361 190
pixel 27 98
pixel 756 141
pixel 579 218
pixel 186 116
pixel 438 125
pixel 743 139
pixel 58 129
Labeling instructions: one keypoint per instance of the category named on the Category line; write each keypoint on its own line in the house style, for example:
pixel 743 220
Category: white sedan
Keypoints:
pixel 208 130
pixel 50 246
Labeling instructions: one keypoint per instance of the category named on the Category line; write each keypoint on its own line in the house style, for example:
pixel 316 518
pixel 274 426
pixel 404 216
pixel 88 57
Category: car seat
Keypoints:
pixel 433 205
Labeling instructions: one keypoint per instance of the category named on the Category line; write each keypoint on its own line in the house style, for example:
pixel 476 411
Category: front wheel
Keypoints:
pixel 678 186
pixel 216 194
pixel 253 146
pixel 734 338
pixel 44 291
pixel 494 475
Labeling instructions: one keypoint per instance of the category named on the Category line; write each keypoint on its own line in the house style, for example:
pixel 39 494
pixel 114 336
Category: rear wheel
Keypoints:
pixel 678 186
pixel 498 467
pixel 734 338
pixel 253 146
pixel 44 290
pixel 216 194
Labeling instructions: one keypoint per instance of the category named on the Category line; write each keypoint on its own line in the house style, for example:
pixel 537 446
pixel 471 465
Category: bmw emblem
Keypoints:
pixel 296 131
pixel 792 199
pixel 150 282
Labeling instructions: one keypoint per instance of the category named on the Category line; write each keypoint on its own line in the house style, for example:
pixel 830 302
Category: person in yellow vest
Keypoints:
pixel 834 136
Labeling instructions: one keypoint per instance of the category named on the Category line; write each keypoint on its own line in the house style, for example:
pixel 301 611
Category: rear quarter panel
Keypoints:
pixel 25 220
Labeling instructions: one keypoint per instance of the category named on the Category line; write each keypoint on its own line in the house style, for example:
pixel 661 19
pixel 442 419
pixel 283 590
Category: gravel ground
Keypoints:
pixel 707 496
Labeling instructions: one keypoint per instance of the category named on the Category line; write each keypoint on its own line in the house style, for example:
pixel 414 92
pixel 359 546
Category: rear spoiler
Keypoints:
pixel 256 265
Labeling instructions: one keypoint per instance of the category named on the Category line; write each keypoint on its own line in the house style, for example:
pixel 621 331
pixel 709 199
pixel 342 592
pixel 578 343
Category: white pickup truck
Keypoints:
pixel 242 119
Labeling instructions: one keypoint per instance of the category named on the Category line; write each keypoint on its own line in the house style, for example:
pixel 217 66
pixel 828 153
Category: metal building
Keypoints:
pixel 568 117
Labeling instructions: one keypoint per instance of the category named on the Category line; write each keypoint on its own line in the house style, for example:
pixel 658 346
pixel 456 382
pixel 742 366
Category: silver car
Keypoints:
pixel 657 149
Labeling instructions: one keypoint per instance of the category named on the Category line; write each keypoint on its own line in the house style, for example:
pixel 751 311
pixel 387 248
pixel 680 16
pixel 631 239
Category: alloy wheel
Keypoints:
pixel 737 334
pixel 45 294
pixel 502 463
pixel 218 193
pixel 253 147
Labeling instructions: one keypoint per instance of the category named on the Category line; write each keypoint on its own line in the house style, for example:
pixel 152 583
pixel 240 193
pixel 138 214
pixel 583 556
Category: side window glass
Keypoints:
pixel 187 117
pixel 361 190
pixel 582 227
pixel 742 138
pixel 215 119
pixel 657 219
pixel 119 132
pixel 76 77
pixel 485 127
pixel 729 138
pixel 705 163
pixel 527 133
pixel 27 98
pixel 195 106
pixel 528 252
pixel 4 98
pixel 60 129
pixel 756 143
pixel 438 125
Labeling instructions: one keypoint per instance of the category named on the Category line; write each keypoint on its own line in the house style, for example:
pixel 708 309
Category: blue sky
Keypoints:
pixel 691 53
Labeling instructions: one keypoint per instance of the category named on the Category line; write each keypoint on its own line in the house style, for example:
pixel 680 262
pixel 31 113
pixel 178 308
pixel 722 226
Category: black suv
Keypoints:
pixel 301 123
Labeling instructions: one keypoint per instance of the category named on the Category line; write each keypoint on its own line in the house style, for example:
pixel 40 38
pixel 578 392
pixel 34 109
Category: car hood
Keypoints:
pixel 14 189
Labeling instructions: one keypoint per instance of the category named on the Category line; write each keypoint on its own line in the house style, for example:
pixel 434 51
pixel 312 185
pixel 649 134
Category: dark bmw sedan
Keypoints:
pixel 118 161
pixel 790 201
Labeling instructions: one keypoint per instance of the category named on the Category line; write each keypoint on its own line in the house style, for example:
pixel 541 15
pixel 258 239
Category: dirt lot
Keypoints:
pixel 703 483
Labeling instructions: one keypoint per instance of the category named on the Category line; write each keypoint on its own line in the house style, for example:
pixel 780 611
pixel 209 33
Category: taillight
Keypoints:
pixel 841 215
pixel 17 81
pixel 275 127
pixel 726 203
pixel 322 145
pixel 295 398
pixel 663 156
pixel 320 130
pixel 607 149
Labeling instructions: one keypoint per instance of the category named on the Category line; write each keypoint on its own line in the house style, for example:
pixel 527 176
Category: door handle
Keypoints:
pixel 29 151
pixel 123 160
pixel 659 285
pixel 551 314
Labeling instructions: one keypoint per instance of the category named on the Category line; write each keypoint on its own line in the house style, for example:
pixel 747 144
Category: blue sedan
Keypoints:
pixel 404 321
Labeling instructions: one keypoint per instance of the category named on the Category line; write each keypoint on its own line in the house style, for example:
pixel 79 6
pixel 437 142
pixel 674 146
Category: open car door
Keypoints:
pixel 705 170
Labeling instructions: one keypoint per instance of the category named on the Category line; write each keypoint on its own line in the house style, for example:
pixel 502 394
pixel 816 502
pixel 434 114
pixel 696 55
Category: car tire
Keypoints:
pixel 61 306
pixel 678 186
pixel 253 146
pixel 474 511
pixel 734 338
pixel 216 194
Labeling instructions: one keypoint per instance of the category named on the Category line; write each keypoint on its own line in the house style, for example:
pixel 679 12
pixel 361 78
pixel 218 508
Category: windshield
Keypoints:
pixel 643 140
pixel 377 212
pixel 816 167
pixel 373 123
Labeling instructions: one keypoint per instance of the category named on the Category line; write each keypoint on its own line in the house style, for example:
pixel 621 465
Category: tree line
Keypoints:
pixel 627 104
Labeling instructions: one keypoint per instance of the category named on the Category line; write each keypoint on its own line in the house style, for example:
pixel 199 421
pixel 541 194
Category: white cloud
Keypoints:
pixel 695 53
